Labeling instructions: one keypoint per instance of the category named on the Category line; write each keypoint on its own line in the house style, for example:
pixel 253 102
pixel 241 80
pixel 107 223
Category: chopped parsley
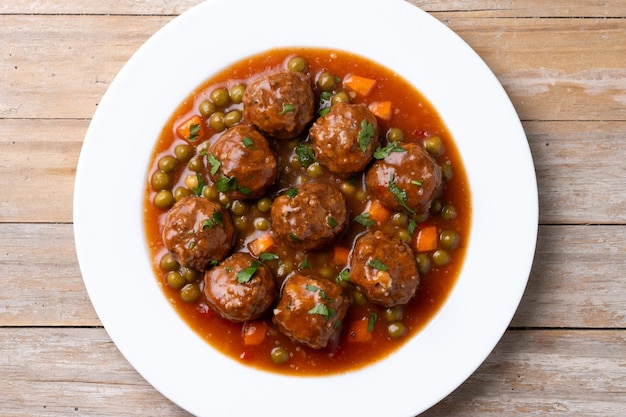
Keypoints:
pixel 382 153
pixel 305 264
pixel 292 192
pixel 331 222
pixel 294 237
pixel 247 142
pixel 412 226
pixel 398 194
pixel 215 163
pixel 215 220
pixel 226 184
pixel 305 154
pixel 371 322
pixel 364 220
pixel 377 264
pixel 198 189
pixel 267 256
pixel 322 310
pixel 287 108
pixel 194 132
pixel 366 134
pixel 245 275
pixel 419 183
pixel 344 275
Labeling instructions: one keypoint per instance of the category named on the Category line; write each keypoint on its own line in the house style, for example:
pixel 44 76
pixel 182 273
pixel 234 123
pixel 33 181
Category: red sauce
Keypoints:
pixel 418 120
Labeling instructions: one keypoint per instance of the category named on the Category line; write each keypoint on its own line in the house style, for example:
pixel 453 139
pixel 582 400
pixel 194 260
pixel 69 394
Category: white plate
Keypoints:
pixel 111 175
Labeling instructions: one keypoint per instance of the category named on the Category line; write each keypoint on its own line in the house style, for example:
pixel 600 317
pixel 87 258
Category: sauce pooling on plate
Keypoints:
pixel 307 211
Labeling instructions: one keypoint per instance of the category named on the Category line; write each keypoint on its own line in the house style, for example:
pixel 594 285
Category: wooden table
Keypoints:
pixel 563 64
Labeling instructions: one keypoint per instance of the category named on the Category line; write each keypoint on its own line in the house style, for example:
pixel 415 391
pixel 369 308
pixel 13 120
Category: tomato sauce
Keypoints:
pixel 418 120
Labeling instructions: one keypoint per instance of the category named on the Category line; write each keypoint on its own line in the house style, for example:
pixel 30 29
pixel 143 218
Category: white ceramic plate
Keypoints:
pixel 111 175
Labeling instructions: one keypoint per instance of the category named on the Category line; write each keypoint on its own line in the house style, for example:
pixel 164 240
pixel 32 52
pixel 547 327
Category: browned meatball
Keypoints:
pixel 240 288
pixel 198 232
pixel 409 179
pixel 280 104
pixel 310 310
pixel 241 163
pixel 309 216
pixel 384 269
pixel 345 138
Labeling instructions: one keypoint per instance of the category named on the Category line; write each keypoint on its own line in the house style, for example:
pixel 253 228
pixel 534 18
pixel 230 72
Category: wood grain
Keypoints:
pixel 561 62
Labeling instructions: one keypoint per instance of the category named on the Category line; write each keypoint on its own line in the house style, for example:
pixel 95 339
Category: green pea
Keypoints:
pixel 436 206
pixel 264 205
pixel 393 314
pixel 168 163
pixel 238 208
pixel 347 188
pixel 261 223
pixel 424 263
pixel 236 93
pixel 434 146
pixel 315 170
pixel 400 219
pixel 395 134
pixel 326 272
pixel 279 355
pixel 161 180
pixel 223 199
pixel 183 153
pixel 359 298
pixel 207 108
pixel 341 97
pixel 360 195
pixel 164 199
pixel 446 171
pixel 220 97
pixel 180 193
pixel 448 212
pixel 169 263
pixel 294 162
pixel 449 239
pixel 241 223
pixel 396 330
pixel 217 121
pixel 403 235
pixel 232 118
pixel 195 164
pixel 284 268
pixel 190 274
pixel 326 81
pixel 190 293
pixel 176 280
pixel 297 64
pixel 441 257
pixel 210 192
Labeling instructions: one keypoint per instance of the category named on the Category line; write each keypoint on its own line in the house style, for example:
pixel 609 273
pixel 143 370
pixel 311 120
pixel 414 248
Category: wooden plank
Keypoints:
pixel 554 69
pixel 43 283
pixel 493 8
pixel 576 280
pixel 580 171
pixel 579 168
pixel 109 7
pixel 63 372
pixel 37 165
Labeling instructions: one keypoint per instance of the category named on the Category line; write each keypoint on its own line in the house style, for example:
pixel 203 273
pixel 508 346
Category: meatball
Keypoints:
pixel 242 164
pixel 310 310
pixel 384 269
pixel 280 104
pixel 309 216
pixel 407 179
pixel 345 138
pixel 198 232
pixel 240 288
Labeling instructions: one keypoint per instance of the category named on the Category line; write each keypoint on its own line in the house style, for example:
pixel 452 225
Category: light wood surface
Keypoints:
pixel 563 64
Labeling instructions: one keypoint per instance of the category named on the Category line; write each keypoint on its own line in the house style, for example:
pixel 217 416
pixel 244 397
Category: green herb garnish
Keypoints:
pixel 364 220
pixel 292 192
pixel 215 164
pixel 247 142
pixel 371 322
pixel 305 154
pixel 245 275
pixel 382 153
pixel 267 256
pixel 194 132
pixel 322 310
pixel 331 222
pixel 287 108
pixel 366 134
pixel 377 264
pixel 398 194
pixel 198 189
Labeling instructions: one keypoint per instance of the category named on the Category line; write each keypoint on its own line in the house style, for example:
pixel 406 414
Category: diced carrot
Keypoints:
pixel 341 255
pixel 254 332
pixel 358 84
pixel 378 212
pixel 261 244
pixel 358 331
pixel 426 239
pixel 191 129
pixel 381 109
